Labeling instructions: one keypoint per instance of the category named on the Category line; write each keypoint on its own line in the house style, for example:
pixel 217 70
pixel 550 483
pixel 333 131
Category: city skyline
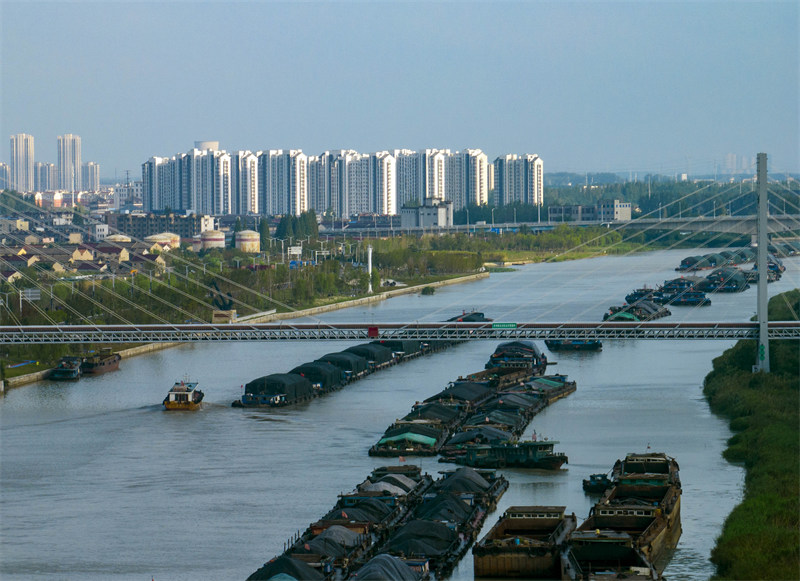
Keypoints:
pixel 657 87
pixel 208 179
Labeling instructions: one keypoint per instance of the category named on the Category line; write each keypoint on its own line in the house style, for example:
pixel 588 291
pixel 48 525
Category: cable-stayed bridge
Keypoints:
pixel 202 333
pixel 132 332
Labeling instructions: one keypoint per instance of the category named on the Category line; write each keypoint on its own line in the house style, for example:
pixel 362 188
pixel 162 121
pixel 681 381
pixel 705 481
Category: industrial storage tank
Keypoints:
pixel 212 239
pixel 118 238
pixel 248 241
pixel 164 239
pixel 197 244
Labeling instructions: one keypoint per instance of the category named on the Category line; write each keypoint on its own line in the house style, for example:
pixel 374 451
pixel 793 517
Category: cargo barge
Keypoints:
pixel 573 344
pixel 526 543
pixel 331 372
pixel 534 454
pixel 102 362
pixel 487 410
pixel 636 526
pixel 642 310
pixel 68 368
pixel 397 524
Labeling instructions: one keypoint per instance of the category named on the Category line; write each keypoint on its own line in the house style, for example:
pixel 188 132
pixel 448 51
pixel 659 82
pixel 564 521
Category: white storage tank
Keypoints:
pixel 212 239
pixel 248 241
pixel 197 244
pixel 118 238
pixel 173 239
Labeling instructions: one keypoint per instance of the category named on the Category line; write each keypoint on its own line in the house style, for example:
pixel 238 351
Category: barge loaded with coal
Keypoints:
pixel 331 372
pixel 629 534
pixel 396 524
pixel 478 419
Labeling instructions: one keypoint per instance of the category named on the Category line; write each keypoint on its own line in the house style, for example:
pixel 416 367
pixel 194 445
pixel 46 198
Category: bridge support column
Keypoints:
pixel 762 355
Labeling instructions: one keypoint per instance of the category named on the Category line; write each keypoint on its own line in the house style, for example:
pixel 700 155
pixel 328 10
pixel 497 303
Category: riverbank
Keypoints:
pixel 761 536
pixel 267 317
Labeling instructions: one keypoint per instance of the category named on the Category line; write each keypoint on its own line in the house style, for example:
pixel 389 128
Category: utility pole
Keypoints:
pixel 369 267
pixel 762 357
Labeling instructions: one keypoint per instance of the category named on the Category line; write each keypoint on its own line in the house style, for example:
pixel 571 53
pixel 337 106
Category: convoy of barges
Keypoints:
pixel 726 276
pixel 402 524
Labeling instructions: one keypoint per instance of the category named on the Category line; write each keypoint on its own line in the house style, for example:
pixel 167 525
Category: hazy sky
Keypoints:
pixel 589 86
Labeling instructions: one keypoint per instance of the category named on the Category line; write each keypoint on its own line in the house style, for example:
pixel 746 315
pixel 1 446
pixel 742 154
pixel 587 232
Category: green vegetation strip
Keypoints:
pixel 761 537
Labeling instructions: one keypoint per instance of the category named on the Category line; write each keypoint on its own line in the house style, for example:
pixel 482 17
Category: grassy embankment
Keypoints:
pixel 761 537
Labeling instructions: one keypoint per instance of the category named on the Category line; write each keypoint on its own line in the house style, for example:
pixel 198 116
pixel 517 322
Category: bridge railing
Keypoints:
pixel 363 332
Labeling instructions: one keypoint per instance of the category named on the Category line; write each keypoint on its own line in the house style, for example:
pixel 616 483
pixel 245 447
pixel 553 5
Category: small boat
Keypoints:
pixel 68 368
pixel 573 344
pixel 597 483
pixel 100 362
pixel 184 395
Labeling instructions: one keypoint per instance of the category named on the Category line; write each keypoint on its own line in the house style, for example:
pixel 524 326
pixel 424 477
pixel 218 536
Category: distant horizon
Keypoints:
pixel 602 86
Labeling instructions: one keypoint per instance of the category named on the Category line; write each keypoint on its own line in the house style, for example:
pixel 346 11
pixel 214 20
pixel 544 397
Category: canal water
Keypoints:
pixel 99 483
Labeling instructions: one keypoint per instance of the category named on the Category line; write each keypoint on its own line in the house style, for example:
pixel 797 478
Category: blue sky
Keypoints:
pixel 590 86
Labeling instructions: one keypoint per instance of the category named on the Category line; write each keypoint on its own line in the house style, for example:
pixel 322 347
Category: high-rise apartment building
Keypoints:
pixel 407 180
pixel 467 178
pixel 383 183
pixel 69 162
pixel 4 173
pixel 282 181
pixel 90 177
pixel 45 176
pixel 244 175
pixel 519 178
pixel 347 183
pixel 21 167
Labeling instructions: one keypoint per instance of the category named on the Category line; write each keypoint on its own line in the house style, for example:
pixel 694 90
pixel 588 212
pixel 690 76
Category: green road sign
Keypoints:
pixel 504 325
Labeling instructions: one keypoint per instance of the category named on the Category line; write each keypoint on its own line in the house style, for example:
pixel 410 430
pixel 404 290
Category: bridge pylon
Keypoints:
pixel 762 263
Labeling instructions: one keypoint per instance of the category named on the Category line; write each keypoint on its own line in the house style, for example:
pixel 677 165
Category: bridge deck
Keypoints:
pixel 362 332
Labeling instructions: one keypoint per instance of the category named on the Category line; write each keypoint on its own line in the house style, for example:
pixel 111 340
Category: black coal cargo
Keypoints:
pixel 295 387
pixel 327 375
pixel 405 346
pixel 377 354
pixel 346 361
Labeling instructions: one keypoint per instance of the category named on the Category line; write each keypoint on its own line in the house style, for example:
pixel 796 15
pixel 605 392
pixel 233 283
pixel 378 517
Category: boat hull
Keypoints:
pixel 102 365
pixel 569 345
pixel 182 406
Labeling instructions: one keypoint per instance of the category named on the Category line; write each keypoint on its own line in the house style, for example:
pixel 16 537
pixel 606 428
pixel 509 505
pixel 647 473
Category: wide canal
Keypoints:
pixel 97 482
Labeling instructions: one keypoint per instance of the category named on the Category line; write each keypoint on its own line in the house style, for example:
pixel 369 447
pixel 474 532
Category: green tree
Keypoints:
pixel 263 230
pixel 237 227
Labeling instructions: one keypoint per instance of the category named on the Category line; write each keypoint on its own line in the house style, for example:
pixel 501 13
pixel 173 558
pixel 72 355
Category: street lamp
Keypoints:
pixel 493 218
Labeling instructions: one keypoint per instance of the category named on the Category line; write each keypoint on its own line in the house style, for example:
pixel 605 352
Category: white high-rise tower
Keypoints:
pixel 21 168
pixel 69 162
